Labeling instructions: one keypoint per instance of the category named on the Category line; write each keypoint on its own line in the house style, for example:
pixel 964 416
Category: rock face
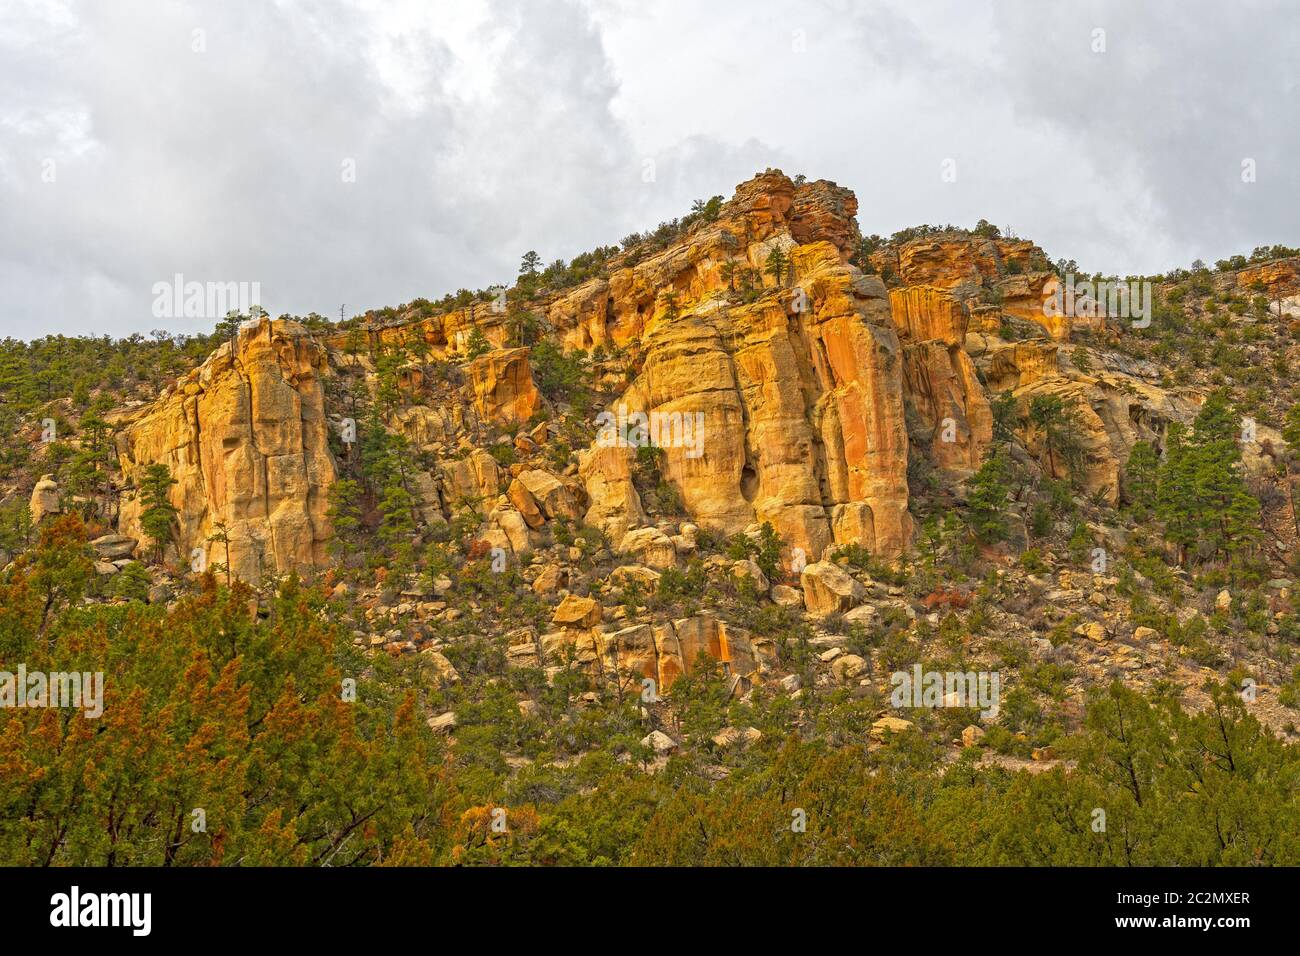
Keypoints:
pixel 666 651
pixel 940 381
pixel 1015 270
pixel 792 393
pixel 244 436
pixel 1113 412
pixel 504 392
pixel 785 409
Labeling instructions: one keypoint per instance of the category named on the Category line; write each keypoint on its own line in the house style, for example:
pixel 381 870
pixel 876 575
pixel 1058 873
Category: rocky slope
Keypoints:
pixel 840 399
pixel 803 393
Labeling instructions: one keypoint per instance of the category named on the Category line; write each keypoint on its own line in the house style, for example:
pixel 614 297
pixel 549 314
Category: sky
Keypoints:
pixel 352 154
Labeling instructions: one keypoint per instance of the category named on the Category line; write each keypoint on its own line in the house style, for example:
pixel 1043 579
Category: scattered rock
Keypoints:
pixel 1092 630
pixel 889 725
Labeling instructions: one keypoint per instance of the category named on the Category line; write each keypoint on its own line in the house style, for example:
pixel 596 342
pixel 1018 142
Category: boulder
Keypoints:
pixel 848 668
pixel 577 612
pixel 659 742
pixel 45 499
pixel 749 570
pixel 625 574
pixel 829 589
pixel 443 723
pixel 650 547
pixel 1092 630
pixel 889 725
pixel 786 596
pixel 553 497
pixel 114 547
pixel 525 503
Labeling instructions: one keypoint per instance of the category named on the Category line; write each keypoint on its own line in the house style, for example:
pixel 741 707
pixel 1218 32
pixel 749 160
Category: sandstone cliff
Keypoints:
pixel 793 393
pixel 244 436
pixel 799 391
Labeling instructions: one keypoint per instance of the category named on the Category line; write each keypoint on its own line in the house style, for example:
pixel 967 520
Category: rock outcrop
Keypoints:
pixel 45 499
pixel 940 381
pixel 244 436
pixel 784 409
pixel 779 381
pixel 504 392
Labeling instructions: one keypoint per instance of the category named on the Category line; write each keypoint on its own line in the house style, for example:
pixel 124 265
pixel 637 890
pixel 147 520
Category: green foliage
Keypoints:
pixel 559 376
pixel 1057 428
pixel 1141 478
pixel 777 264
pixel 990 490
pixel 1201 497
pixel 477 345
pixel 207 707
pixel 131 583
pixel 158 512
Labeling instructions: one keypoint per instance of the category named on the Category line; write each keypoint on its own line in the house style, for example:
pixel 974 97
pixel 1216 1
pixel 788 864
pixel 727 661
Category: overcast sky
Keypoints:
pixel 371 152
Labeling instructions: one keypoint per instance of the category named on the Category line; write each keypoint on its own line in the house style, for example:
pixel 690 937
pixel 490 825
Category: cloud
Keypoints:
pixel 478 130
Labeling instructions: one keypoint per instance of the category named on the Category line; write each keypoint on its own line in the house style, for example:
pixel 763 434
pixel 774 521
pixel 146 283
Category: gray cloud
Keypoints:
pixel 481 130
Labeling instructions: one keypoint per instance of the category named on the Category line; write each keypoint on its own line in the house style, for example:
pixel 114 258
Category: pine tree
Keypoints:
pixel 1058 429
pixel 158 514
pixel 1175 500
pixel 990 490
pixel 776 265
pixel 727 273
pixel 1202 498
pixel 1140 476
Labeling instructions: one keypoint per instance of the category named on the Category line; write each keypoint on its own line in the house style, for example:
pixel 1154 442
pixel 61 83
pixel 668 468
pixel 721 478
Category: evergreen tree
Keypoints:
pixel 1202 498
pixel 776 264
pixel 158 514
pixel 1057 427
pixel 1291 435
pixel 477 344
pixel 1140 477
pixel 989 493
